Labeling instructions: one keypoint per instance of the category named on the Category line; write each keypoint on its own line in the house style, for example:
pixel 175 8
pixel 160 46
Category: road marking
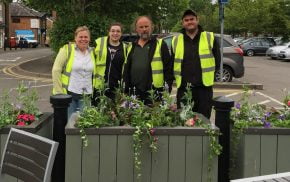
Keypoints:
pixel 272 99
pixel 10 60
pixel 233 94
pixel 264 102
pixel 8 70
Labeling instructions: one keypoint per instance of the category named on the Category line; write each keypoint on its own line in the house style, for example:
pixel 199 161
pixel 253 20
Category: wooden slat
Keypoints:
pixel 205 162
pixel 160 161
pixel 125 163
pixel 176 158
pixel 73 158
pixel 41 146
pixel 25 164
pixel 268 154
pixel 145 161
pixel 283 160
pixel 16 172
pixel 90 159
pixel 108 158
pixel 252 155
pixel 38 158
pixel 193 159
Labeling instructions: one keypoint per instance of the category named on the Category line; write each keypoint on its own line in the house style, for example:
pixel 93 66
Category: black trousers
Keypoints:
pixel 201 96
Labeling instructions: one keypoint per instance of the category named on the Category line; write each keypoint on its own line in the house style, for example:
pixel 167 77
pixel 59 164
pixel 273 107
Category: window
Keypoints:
pixel 15 20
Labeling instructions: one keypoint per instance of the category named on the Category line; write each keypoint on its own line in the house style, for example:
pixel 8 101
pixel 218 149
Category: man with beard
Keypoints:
pixel 148 66
pixel 196 56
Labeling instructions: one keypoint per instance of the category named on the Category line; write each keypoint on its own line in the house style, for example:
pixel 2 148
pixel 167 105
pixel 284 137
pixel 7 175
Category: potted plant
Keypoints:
pixel 126 140
pixel 18 109
pixel 260 138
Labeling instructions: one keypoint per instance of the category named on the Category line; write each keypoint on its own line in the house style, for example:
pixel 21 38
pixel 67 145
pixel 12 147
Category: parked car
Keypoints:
pixel 284 54
pixel 271 40
pixel 233 60
pixel 239 39
pixel 256 46
pixel 273 52
pixel 32 42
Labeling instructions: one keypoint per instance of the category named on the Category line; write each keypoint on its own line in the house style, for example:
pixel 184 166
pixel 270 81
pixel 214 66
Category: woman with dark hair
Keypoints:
pixel 110 57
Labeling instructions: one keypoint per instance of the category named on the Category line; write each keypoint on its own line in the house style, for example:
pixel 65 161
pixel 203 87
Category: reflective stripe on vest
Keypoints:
pixel 207 60
pixel 156 65
pixel 101 58
pixel 65 76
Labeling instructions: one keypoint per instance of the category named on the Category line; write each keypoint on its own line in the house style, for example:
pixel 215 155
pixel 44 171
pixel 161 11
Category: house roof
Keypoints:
pixel 18 9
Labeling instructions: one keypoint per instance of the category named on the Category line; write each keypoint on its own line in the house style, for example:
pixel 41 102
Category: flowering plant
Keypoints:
pixel 25 119
pixel 20 111
pixel 128 110
pixel 246 114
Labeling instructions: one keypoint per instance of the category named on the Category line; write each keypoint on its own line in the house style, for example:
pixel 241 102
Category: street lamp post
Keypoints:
pixel 6 31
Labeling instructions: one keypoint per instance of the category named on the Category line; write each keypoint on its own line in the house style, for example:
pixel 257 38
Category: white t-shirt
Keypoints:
pixel 81 74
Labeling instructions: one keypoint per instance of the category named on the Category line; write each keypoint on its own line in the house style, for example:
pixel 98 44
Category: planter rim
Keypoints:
pixel 267 131
pixel 33 127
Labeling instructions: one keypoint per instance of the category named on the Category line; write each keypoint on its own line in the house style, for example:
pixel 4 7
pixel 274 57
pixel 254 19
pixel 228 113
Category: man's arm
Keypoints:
pixel 216 53
pixel 167 65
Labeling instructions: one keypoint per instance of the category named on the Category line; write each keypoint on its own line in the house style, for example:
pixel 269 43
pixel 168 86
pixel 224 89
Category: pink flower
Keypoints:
pixel 152 131
pixel 21 123
pixel 190 122
pixel 25 119
pixel 288 103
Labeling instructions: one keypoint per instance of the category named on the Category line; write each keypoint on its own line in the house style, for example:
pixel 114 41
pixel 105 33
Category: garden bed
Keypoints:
pixel 182 155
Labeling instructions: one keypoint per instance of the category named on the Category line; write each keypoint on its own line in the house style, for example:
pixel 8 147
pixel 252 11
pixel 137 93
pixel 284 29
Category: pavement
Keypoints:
pixel 41 68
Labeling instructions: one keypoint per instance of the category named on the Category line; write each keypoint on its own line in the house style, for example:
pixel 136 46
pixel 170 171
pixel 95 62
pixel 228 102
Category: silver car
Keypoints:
pixel 284 54
pixel 233 60
pixel 274 51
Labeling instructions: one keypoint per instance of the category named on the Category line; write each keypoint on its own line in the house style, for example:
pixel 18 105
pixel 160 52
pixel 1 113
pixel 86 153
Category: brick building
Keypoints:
pixel 24 18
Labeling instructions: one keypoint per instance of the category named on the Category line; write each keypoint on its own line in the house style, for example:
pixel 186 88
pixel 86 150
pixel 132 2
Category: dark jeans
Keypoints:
pixel 202 98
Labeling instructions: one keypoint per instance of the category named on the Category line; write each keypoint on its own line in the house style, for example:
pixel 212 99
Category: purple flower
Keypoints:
pixel 238 106
pixel 263 120
pixel 267 124
pixel 281 117
pixel 268 114
pixel 125 104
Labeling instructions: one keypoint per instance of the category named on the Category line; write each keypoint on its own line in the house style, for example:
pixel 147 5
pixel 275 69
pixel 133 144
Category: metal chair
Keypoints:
pixel 28 157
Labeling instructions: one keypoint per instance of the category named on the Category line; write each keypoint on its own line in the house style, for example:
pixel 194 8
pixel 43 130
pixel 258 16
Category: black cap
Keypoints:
pixel 189 12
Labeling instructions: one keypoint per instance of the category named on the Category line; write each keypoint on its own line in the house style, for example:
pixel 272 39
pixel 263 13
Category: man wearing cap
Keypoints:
pixel 196 56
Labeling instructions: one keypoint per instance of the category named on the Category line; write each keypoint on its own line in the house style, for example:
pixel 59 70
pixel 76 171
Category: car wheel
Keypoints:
pixel 274 58
pixel 250 53
pixel 227 74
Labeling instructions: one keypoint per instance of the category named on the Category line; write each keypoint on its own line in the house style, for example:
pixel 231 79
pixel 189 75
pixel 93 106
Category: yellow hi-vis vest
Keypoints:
pixel 65 76
pixel 156 65
pixel 101 58
pixel 207 60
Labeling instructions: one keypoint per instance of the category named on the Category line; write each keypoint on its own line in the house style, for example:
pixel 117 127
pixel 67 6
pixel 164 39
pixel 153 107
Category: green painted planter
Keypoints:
pixel 43 127
pixel 262 151
pixel 182 156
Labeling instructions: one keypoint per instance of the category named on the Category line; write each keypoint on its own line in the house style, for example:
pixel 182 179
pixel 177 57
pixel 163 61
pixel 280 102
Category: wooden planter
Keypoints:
pixel 262 151
pixel 182 156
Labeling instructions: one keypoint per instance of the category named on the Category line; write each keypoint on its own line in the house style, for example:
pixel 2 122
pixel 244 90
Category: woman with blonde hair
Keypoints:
pixel 74 69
